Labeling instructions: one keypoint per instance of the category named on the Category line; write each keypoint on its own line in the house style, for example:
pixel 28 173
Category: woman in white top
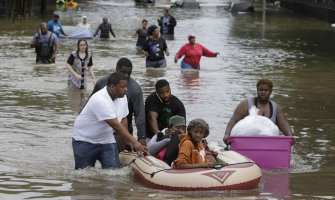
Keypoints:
pixel 84 23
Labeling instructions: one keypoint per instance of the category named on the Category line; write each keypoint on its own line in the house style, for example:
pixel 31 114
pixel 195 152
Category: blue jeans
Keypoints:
pixel 185 65
pixel 86 154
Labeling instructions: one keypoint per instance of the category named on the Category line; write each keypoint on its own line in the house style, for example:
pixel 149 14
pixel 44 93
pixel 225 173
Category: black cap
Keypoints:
pixel 55 14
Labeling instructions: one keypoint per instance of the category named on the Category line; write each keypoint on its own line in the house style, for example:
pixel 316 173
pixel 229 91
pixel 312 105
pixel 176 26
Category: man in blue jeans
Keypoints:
pixel 135 100
pixel 104 115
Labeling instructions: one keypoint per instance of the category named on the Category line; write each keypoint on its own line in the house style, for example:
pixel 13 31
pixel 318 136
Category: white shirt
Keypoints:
pixel 90 125
pixel 82 25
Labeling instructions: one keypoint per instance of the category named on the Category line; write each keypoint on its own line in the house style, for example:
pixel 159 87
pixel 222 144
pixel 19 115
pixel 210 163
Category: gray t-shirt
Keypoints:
pixel 44 39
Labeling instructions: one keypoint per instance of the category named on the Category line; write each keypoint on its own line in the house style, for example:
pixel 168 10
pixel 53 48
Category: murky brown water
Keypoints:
pixel 37 111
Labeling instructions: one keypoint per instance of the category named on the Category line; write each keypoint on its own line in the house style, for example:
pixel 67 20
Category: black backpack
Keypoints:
pixel 172 150
pixel 46 53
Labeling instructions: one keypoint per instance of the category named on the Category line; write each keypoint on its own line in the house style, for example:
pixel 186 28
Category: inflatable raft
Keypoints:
pixel 237 173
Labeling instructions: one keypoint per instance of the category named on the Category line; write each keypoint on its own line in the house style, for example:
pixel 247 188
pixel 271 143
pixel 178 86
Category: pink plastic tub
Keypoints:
pixel 269 152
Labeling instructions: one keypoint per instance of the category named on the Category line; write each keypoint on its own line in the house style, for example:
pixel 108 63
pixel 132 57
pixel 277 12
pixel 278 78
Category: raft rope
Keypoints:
pixel 151 174
pixel 217 167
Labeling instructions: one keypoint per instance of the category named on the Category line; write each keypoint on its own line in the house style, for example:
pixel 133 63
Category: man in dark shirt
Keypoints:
pixel 135 98
pixel 160 106
pixel 167 23
pixel 154 49
pixel 104 28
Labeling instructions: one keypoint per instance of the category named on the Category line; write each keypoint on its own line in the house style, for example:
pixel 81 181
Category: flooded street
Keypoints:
pixel 37 110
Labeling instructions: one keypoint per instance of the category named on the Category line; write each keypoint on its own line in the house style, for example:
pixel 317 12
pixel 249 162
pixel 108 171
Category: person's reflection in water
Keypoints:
pixel 76 99
pixel 277 183
pixel 190 77
pixel 95 191
pixel 154 73
pixel 190 81
pixel 41 70
pixel 168 37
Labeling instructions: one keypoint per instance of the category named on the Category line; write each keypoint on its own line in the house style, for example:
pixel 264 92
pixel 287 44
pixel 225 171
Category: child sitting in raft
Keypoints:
pixel 177 124
pixel 191 149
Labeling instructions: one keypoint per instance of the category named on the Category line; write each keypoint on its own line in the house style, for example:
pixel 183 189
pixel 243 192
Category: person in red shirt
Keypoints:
pixel 192 53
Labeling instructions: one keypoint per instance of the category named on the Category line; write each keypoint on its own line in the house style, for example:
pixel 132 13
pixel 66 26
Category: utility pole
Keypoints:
pixel 264 18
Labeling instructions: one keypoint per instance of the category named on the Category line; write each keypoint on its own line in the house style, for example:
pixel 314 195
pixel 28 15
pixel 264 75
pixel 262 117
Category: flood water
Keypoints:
pixel 37 111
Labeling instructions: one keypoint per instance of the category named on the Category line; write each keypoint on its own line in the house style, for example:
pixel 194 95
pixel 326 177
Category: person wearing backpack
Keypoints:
pixel 46 45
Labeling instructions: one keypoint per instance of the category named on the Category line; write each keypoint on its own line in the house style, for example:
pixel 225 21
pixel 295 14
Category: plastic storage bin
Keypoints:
pixel 269 152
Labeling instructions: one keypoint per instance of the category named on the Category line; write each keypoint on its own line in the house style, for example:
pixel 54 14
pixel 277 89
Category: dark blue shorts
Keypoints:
pixel 155 64
pixel 86 154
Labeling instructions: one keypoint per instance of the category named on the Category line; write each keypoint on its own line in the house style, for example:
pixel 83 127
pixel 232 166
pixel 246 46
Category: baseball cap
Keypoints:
pixel 55 14
pixel 190 36
pixel 177 121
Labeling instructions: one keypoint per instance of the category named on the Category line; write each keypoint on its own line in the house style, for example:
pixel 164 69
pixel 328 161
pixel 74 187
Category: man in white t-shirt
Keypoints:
pixel 104 115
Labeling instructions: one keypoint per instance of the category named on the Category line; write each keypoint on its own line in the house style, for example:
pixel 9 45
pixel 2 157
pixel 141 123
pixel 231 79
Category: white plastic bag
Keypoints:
pixel 255 125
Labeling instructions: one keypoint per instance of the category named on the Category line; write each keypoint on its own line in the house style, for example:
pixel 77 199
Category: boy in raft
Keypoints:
pixel 192 153
pixel 177 124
